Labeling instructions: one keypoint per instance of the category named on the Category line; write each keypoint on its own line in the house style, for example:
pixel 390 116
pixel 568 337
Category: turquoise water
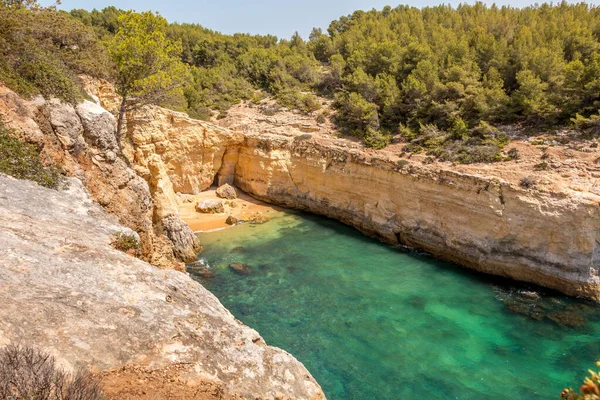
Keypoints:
pixel 371 321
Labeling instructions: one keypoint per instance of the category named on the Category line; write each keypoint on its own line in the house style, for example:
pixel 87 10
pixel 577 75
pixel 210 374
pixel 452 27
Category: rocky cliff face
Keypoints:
pixel 82 140
pixel 484 223
pixel 64 289
pixel 473 217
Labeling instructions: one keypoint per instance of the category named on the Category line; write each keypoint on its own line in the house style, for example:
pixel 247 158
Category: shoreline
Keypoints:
pixel 244 208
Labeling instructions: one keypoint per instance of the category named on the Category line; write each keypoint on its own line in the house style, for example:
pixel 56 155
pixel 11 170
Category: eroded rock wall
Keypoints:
pixel 548 237
pixel 82 140
pixel 483 223
pixel 192 151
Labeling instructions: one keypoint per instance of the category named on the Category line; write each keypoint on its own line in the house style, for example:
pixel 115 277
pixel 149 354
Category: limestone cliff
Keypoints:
pixel 473 217
pixel 82 140
pixel 64 289
pixel 483 223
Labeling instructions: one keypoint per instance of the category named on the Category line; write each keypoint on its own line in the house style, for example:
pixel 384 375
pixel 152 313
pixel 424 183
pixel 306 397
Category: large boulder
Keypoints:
pixel 210 206
pixel 231 220
pixel 227 191
pixel 99 126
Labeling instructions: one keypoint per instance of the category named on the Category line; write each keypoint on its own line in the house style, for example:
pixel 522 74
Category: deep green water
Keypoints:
pixel 372 322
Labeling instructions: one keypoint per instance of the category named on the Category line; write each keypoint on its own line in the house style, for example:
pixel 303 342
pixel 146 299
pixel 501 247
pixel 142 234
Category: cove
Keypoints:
pixel 371 321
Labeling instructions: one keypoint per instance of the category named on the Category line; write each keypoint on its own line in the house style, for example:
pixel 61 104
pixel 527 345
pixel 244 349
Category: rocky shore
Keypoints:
pixel 480 216
pixel 67 291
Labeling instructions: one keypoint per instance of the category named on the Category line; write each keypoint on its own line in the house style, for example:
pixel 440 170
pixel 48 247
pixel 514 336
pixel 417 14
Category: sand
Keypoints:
pixel 244 207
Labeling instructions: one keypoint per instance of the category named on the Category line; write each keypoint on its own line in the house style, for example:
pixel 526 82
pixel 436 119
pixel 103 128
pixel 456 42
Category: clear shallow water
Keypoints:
pixel 374 322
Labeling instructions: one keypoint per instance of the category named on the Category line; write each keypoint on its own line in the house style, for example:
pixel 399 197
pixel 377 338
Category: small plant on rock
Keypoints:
pixel 22 160
pixel 590 390
pixel 527 182
pixel 126 243
pixel 513 154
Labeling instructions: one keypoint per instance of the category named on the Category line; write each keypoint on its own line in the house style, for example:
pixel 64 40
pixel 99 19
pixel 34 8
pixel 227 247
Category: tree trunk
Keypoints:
pixel 122 110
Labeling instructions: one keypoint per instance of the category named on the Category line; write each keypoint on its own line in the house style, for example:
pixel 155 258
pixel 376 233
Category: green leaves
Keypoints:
pixel 42 51
pixel 22 160
pixel 148 65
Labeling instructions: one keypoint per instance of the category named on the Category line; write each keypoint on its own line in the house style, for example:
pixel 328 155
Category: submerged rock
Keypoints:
pixel 258 218
pixel 240 268
pixel 567 318
pixel 227 191
pixel 530 295
pixel 210 207
pixel 202 269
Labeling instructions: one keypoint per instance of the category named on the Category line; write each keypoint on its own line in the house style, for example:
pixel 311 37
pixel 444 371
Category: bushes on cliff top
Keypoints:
pixel 43 51
pixel 22 160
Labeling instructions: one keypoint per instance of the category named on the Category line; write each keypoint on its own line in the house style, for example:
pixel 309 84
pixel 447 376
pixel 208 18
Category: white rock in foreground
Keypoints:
pixel 64 289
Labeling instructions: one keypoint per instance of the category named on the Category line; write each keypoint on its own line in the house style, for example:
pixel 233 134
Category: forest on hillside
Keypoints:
pixel 442 79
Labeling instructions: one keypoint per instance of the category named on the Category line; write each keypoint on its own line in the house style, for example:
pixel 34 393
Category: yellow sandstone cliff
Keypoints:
pixel 475 217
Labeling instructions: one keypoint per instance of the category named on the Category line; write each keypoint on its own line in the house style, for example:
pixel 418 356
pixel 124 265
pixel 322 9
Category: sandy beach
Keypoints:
pixel 244 208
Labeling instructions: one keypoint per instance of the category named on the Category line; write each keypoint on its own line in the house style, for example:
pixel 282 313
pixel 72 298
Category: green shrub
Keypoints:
pixel 513 154
pixel 589 125
pixel 541 166
pixel 22 160
pixel 43 51
pixel 376 139
pixel 402 163
pixel 126 243
pixel 406 133
pixel 527 183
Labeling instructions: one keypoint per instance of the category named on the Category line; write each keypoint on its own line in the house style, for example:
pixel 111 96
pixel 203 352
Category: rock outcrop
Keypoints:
pixel 64 289
pixel 477 219
pixel 82 140
pixel 193 152
pixel 483 223
pixel 210 206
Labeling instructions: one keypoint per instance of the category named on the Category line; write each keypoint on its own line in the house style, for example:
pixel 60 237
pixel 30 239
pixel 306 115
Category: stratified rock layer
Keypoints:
pixel 550 238
pixel 483 223
pixel 64 289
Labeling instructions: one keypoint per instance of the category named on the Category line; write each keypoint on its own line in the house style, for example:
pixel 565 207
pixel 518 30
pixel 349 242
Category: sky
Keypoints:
pixel 276 17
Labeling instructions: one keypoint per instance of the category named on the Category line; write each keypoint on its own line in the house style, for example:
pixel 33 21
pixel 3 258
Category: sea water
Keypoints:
pixel 372 321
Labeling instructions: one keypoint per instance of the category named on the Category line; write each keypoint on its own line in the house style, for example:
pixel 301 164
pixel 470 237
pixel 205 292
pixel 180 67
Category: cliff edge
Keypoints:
pixel 66 290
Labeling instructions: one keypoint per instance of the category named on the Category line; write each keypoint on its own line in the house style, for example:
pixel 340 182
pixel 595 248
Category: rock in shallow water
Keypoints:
pixel 202 269
pixel 231 220
pixel 240 268
pixel 567 318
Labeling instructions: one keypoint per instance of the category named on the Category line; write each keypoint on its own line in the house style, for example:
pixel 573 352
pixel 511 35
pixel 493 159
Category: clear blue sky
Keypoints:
pixel 276 17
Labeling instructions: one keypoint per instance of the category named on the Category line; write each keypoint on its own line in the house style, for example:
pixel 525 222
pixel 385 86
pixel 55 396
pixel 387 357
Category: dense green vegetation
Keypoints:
pixel 148 65
pixel 22 160
pixel 42 51
pixel 441 78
